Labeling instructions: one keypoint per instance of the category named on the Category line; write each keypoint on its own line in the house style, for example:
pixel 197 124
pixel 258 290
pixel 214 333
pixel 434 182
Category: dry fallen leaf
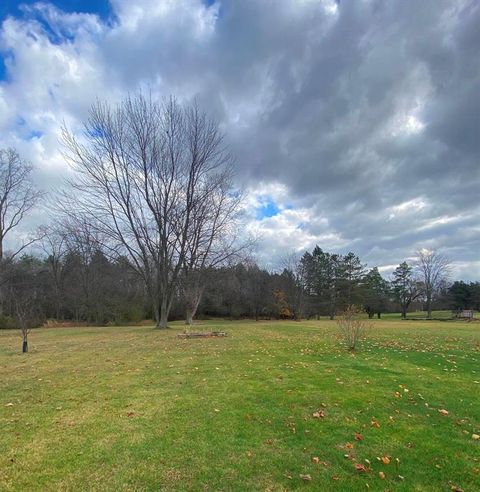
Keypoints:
pixel 385 460
pixel 358 436
pixel 315 459
pixel 360 468
pixel 318 415
pixel 306 478
pixel 9 404
pixel 374 423
pixel 381 475
pixel 443 411
pixel 475 437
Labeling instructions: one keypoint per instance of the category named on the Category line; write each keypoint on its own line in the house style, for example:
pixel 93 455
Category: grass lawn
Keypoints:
pixel 133 408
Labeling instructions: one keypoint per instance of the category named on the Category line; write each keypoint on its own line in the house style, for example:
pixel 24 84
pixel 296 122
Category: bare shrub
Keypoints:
pixel 351 326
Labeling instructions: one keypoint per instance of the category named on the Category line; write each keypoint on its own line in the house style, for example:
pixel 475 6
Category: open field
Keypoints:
pixel 137 409
pixel 445 314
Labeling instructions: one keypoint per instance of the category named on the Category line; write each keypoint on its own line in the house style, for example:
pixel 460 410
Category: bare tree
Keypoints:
pixel 146 177
pixel 433 269
pixel 211 241
pixel 294 274
pixel 352 327
pixel 26 316
pixel 18 196
pixel 24 291
pixel 54 246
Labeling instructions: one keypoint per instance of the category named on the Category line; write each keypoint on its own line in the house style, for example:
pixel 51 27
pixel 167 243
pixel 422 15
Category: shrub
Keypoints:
pixel 352 327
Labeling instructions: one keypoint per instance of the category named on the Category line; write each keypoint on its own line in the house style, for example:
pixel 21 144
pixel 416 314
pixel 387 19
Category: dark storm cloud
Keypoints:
pixel 366 111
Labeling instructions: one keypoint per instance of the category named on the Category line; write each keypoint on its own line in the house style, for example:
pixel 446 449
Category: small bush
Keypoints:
pixel 352 327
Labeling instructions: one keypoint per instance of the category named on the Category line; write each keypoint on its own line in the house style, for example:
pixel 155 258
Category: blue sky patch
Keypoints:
pixel 17 8
pixel 3 68
pixel 268 209
pixel 34 134
pixel 99 7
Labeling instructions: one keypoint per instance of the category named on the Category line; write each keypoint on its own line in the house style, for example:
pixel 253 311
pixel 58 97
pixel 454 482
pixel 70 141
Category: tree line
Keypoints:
pixel 147 227
pixel 74 280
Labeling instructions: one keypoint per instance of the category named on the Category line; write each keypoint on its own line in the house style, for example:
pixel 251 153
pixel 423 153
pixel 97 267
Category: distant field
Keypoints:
pixel 133 408
pixel 419 315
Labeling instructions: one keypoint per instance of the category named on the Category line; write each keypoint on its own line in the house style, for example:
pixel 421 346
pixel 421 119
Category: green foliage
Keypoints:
pixel 333 281
pixel 375 293
pixel 406 287
pixel 465 296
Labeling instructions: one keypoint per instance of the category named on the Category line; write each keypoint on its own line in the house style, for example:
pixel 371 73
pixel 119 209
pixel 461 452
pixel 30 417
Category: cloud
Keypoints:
pixel 354 124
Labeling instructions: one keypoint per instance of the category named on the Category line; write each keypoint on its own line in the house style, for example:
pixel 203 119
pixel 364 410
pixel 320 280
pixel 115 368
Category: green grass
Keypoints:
pixel 138 409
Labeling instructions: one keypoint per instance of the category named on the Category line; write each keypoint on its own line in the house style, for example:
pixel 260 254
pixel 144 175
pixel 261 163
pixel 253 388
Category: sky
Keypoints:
pixel 355 124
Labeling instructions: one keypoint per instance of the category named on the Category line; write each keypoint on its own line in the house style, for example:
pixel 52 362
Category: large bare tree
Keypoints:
pixel 211 241
pixel 154 179
pixel 432 269
pixel 18 196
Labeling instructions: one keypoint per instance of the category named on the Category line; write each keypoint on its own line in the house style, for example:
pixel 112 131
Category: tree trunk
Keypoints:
pixel 404 312
pixel 25 346
pixel 162 321
pixel 192 305
pixel 379 315
pixel 429 308
pixel 156 313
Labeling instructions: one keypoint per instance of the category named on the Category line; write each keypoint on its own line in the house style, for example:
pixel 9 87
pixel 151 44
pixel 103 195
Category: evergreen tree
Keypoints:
pixel 405 287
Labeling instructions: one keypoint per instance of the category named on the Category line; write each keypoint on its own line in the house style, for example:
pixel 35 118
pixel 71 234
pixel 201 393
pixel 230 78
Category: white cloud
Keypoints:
pixel 357 120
